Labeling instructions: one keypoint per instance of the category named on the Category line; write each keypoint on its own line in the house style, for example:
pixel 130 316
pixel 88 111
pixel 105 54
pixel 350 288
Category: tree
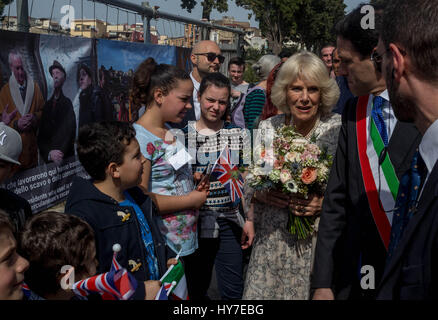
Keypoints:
pixel 317 20
pixel 207 6
pixel 4 3
pixel 308 22
pixel 275 17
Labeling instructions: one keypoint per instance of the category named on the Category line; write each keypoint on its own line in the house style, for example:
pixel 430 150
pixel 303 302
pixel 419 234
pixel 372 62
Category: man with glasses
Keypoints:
pixel 374 151
pixel 410 67
pixel 206 58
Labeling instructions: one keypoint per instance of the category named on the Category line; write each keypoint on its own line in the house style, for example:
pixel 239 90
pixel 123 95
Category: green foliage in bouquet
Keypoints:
pixel 296 166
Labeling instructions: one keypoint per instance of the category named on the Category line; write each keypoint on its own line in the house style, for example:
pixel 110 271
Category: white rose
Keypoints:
pixel 285 176
pixel 292 156
pixel 300 142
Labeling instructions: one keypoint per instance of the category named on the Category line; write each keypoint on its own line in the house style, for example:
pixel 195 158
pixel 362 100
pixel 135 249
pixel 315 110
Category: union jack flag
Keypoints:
pixel 229 175
pixel 117 284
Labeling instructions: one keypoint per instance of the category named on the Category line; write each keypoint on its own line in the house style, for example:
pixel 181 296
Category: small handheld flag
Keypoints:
pixel 117 284
pixel 174 283
pixel 229 175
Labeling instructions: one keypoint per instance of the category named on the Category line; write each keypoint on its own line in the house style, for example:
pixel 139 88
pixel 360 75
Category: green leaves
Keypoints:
pixel 308 22
pixel 4 3
pixel 207 6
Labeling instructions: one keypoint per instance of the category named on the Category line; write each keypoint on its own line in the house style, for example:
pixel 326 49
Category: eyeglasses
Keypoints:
pixel 378 58
pixel 211 56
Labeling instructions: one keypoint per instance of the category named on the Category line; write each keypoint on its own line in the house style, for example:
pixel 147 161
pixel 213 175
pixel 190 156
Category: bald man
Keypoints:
pixel 206 58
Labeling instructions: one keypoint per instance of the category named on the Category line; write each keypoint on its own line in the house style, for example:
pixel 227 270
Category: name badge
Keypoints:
pixel 180 158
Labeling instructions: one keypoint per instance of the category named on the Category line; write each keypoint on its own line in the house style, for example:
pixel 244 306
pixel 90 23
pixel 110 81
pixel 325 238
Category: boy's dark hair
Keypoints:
pixel 101 143
pixel 51 240
pixel 363 40
pixel 5 222
pixel 150 76
pixel 237 61
pixel 418 35
pixel 216 79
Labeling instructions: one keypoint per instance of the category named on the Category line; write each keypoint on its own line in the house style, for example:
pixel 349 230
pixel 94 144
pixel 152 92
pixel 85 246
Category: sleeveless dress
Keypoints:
pixel 280 266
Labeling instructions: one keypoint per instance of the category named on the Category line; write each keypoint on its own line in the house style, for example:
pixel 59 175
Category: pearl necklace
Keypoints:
pixel 312 131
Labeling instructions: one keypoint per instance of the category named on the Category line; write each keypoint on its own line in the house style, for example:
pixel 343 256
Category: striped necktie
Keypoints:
pixel 377 115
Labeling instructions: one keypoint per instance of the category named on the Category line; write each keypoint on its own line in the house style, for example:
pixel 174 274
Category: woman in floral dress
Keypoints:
pixel 280 264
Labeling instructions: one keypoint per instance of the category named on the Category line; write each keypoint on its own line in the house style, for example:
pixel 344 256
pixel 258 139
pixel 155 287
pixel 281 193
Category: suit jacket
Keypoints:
pixel 57 128
pixel 348 237
pixel 409 275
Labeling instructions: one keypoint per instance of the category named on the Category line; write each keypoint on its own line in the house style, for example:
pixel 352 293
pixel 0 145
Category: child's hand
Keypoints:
pixel 152 287
pixel 197 198
pixel 197 176
pixel 171 261
pixel 204 184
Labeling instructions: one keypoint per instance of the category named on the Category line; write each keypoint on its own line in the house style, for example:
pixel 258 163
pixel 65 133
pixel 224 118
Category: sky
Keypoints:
pixel 43 9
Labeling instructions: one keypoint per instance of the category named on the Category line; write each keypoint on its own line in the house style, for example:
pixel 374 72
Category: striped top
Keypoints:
pixel 253 108
pixel 208 149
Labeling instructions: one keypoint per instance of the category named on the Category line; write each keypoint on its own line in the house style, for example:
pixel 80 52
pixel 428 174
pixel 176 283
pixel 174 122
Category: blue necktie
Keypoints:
pixel 376 113
pixel 407 198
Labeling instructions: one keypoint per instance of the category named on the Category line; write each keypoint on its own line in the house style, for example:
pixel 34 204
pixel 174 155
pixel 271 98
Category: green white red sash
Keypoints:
pixel 381 182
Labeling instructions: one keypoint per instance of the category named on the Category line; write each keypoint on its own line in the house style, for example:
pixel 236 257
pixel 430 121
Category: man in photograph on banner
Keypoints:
pixel 374 150
pixel 21 104
pixel 57 131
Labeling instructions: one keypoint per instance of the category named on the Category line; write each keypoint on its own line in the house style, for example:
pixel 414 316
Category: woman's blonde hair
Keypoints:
pixel 305 66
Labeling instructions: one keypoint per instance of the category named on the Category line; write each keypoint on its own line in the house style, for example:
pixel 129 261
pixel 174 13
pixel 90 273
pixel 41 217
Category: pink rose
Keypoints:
pixel 278 164
pixel 313 149
pixel 150 148
pixel 308 175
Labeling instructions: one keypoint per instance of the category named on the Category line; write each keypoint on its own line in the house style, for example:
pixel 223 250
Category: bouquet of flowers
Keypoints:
pixel 292 165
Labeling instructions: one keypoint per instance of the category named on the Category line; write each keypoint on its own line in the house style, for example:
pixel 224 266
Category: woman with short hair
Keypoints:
pixel 280 265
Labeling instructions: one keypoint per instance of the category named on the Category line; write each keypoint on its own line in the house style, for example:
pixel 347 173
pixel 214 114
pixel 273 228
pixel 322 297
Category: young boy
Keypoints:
pixel 117 210
pixel 16 207
pixel 12 265
pixel 51 240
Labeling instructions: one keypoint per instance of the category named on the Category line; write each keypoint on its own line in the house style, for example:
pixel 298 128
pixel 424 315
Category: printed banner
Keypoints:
pixel 50 87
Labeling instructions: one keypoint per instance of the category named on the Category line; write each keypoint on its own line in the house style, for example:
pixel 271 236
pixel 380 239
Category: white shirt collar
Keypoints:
pixel 196 84
pixel 429 146
pixel 384 95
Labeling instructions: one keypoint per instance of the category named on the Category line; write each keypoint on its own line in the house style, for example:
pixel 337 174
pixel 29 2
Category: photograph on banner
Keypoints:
pixel 43 97
pixel 117 62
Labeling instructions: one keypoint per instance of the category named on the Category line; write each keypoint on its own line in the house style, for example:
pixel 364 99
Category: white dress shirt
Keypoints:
pixel 429 148
pixel 196 103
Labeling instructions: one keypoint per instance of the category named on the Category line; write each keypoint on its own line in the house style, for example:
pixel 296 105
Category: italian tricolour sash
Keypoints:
pixel 380 180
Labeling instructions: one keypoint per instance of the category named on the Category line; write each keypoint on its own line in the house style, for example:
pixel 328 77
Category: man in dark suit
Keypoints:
pixel 411 72
pixel 57 132
pixel 374 151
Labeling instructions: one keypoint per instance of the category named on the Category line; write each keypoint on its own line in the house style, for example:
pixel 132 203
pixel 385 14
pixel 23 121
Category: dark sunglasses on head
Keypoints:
pixel 211 56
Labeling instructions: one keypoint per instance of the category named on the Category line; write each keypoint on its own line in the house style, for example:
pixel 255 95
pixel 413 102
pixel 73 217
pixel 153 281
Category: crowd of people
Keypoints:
pixel 370 102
